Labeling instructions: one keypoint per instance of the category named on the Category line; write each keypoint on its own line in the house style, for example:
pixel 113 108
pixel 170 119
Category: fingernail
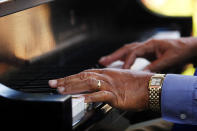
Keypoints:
pixel 102 59
pixel 60 89
pixel 53 83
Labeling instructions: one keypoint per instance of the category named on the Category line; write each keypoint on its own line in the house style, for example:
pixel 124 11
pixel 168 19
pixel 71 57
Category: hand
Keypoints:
pixel 163 53
pixel 120 88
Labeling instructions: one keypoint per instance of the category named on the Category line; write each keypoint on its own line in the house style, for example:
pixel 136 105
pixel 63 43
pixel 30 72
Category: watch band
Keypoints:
pixel 155 86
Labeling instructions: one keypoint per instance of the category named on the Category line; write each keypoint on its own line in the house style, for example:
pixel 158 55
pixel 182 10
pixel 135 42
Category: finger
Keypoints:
pixel 117 55
pixel 140 51
pixel 130 59
pixel 88 85
pixel 101 96
pixel 53 83
pixel 73 78
pixel 61 81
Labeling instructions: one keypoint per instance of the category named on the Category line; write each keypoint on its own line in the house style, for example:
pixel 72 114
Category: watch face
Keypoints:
pixel 156 81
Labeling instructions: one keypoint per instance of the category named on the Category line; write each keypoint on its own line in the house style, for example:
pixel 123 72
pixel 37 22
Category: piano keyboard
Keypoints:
pixel 35 80
pixel 78 108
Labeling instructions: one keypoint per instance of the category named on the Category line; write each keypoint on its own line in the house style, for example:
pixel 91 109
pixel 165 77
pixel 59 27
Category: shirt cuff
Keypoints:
pixel 178 102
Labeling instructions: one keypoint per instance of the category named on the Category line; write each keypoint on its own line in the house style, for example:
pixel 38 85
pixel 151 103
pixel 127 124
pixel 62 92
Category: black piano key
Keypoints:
pixel 35 80
pixel 40 90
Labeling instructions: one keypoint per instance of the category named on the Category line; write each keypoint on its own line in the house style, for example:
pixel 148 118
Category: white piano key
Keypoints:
pixel 78 108
pixel 139 64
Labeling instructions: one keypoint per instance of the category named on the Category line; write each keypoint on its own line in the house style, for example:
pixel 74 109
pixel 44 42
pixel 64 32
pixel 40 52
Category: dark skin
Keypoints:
pixel 120 88
pixel 166 53
pixel 123 88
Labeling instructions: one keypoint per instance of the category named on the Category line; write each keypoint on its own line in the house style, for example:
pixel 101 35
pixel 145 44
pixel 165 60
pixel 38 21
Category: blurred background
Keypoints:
pixel 176 8
pixel 48 39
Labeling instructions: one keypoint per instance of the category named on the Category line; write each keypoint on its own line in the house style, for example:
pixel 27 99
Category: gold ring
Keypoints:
pixel 99 84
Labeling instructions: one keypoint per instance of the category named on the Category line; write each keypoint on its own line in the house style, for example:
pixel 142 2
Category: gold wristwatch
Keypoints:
pixel 155 85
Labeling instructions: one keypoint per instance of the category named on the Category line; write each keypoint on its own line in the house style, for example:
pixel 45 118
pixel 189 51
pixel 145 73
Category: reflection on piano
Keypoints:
pixel 47 40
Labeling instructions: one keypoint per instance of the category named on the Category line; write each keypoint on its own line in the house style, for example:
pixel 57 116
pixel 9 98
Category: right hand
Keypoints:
pixel 162 53
pixel 123 89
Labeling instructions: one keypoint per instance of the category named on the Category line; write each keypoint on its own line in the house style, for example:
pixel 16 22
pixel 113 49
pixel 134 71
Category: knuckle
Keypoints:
pixel 91 83
pixel 60 81
pixel 84 75
pixel 67 89
pixel 67 78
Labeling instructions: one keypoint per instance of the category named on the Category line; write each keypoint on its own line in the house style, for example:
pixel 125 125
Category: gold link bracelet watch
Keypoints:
pixel 155 85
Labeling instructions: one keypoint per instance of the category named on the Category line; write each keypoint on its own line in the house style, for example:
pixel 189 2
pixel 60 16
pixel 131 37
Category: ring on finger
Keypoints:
pixel 99 84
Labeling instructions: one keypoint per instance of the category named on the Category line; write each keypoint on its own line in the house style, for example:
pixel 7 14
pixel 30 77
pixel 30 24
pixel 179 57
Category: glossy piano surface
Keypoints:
pixel 60 38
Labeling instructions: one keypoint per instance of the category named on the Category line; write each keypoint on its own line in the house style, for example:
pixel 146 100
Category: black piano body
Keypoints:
pixel 51 39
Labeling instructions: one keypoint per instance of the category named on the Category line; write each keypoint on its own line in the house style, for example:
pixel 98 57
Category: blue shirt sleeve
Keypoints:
pixel 179 99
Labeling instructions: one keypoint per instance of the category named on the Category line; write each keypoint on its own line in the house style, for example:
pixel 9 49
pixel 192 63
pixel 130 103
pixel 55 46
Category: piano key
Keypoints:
pixel 78 108
pixel 40 90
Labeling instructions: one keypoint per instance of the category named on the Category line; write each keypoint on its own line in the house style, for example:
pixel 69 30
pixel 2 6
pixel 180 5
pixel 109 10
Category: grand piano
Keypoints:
pixel 47 39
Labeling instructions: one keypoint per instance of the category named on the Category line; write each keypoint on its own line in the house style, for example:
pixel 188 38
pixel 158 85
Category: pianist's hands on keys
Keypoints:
pixel 123 88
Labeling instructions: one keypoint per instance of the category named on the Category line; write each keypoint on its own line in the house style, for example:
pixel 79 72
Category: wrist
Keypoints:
pixel 154 89
pixel 146 80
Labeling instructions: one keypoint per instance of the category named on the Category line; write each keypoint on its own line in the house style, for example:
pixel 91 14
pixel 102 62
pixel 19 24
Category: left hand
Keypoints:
pixel 163 53
pixel 120 88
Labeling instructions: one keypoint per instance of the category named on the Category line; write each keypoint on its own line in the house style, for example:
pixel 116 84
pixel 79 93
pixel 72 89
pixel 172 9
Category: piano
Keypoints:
pixel 47 39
